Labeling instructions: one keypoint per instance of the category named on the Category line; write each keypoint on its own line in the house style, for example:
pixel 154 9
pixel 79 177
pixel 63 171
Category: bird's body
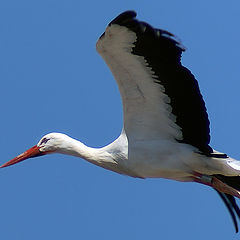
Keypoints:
pixel 143 158
pixel 166 126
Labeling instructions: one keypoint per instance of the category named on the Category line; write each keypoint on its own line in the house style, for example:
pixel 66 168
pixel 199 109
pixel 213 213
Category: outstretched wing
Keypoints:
pixel 161 98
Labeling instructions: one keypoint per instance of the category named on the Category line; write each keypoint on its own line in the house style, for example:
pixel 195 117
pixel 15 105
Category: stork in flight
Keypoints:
pixel 166 126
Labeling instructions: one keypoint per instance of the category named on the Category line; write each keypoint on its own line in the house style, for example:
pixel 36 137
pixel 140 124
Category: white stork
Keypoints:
pixel 166 126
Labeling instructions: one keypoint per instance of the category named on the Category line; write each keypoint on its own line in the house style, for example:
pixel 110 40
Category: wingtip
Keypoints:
pixel 121 18
pixel 232 207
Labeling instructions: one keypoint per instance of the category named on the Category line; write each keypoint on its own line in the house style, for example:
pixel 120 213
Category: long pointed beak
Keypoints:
pixel 30 153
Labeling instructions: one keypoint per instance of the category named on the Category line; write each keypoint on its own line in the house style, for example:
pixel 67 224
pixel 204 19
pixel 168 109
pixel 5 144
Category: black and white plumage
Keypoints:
pixel 166 126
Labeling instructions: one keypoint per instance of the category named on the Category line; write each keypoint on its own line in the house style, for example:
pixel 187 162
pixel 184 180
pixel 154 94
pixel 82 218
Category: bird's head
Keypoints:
pixel 49 143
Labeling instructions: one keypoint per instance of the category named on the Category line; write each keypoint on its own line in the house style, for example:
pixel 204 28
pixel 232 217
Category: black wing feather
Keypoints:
pixel 163 52
pixel 230 203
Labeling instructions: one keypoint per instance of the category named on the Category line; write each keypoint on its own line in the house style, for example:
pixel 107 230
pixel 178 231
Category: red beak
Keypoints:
pixel 30 153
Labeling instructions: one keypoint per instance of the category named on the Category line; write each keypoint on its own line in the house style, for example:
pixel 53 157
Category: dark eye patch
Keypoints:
pixel 44 140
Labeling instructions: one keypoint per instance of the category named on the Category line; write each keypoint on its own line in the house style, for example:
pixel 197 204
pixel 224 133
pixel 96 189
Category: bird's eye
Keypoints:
pixel 44 140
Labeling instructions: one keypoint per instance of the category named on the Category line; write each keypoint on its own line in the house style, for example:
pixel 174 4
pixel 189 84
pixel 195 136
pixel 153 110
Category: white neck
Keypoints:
pixel 106 157
pixel 113 157
pixel 78 149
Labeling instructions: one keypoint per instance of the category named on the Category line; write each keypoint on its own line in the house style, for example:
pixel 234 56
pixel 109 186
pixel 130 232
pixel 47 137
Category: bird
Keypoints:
pixel 166 130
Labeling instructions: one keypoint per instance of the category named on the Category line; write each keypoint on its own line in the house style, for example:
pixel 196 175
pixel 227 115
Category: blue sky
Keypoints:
pixel 52 80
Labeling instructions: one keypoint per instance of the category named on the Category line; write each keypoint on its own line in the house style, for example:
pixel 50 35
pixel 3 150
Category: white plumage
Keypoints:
pixel 166 127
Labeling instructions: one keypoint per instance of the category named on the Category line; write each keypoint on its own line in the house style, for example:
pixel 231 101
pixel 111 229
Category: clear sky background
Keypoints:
pixel 52 80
